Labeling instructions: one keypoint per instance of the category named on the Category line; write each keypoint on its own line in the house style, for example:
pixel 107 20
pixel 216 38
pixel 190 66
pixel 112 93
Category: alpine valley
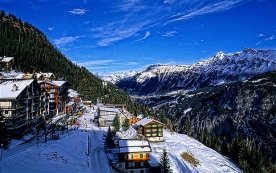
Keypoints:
pixel 228 95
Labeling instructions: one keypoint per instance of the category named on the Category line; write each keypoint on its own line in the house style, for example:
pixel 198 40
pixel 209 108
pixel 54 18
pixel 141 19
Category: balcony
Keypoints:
pixel 10 108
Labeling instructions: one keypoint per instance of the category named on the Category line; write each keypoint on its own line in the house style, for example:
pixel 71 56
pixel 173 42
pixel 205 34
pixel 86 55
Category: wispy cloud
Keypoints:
pixel 78 11
pixel 132 63
pixel 60 42
pixel 95 63
pixel 169 1
pixel 138 16
pixel 146 36
pixel 50 29
pixel 169 34
pixel 271 38
pixel 261 35
pixel 210 8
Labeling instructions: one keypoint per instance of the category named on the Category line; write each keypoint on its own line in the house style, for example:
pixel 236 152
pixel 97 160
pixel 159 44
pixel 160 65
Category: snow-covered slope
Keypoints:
pixel 222 68
pixel 115 77
pixel 69 153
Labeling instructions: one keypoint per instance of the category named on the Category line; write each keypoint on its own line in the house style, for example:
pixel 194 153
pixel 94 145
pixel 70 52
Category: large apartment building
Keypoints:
pixel 58 91
pixel 23 104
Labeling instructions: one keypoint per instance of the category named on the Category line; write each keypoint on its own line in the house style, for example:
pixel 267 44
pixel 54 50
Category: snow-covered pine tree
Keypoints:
pixel 116 123
pixel 164 161
pixel 109 138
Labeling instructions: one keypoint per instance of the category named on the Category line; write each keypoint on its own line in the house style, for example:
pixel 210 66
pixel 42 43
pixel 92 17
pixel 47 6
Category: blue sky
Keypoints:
pixel 108 36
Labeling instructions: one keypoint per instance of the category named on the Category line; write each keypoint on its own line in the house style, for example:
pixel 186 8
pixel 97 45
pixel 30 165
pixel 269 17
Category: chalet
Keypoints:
pixel 7 61
pixel 133 156
pixel 87 103
pixel 58 91
pixel 48 76
pixel 23 104
pixel 151 129
pixel 71 108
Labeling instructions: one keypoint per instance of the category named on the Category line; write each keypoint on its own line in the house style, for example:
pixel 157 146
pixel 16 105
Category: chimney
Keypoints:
pixel 14 87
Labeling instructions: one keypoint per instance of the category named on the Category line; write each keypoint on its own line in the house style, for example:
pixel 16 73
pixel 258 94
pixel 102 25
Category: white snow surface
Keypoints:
pixel 70 153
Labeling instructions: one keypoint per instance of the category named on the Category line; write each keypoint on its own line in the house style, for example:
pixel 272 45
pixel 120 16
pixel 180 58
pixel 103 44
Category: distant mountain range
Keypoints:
pixel 116 77
pixel 220 69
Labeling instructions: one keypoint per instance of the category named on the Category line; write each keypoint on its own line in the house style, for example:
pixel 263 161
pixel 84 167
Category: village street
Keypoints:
pixel 69 153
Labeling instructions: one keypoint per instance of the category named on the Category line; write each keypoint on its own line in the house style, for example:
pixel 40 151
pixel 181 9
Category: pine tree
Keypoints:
pixel 125 124
pixel 164 161
pixel 116 123
pixel 109 138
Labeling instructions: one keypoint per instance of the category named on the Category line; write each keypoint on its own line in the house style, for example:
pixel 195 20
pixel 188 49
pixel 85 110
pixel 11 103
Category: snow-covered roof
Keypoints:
pixel 47 74
pixel 146 121
pixel 109 109
pixel 6 88
pixel 6 59
pixel 70 103
pixel 58 82
pixel 133 145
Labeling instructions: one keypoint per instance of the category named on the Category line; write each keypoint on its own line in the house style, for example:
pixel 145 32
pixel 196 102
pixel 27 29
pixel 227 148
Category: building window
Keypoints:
pixel 159 134
pixel 154 125
pixel 148 130
pixel 154 130
pixel 154 134
pixel 141 156
pixel 148 134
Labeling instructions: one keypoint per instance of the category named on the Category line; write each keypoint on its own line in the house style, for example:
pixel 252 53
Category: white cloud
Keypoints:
pixel 50 29
pixel 169 34
pixel 65 40
pixel 146 36
pixel 138 16
pixel 95 63
pixel 261 35
pixel 211 8
pixel 78 11
pixel 271 38
pixel 169 1
pixel 132 63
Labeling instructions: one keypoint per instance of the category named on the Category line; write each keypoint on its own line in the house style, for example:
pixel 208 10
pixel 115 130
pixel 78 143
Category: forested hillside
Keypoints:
pixel 34 53
pixel 237 119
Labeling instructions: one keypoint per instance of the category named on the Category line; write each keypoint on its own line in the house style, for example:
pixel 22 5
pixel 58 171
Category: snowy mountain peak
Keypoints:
pixel 115 77
pixel 222 68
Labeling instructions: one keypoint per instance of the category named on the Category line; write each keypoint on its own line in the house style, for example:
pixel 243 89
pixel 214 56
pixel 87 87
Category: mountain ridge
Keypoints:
pixel 221 68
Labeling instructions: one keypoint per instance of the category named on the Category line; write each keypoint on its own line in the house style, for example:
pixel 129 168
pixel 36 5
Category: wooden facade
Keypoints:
pixel 58 91
pixel 150 129
pixel 133 156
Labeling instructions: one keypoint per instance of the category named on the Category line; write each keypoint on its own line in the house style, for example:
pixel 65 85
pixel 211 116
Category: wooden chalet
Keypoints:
pixel 151 129
pixel 133 156
pixel 7 61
